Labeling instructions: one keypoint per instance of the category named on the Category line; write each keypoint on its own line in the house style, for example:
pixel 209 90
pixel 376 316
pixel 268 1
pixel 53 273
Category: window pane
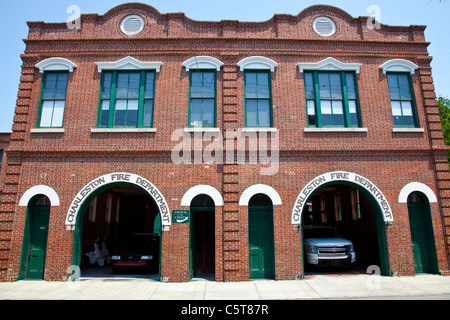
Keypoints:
pixel 149 85
pixel 208 112
pixel 309 85
pixel 250 85
pixel 405 92
pixel 196 84
pixel 311 111
pixel 324 84
pixel 394 91
pixel 148 113
pixel 263 113
pixel 353 113
pixel 46 113
pixel 106 85
pixel 406 108
pixel 251 115
pixel 327 118
pixel 335 83
pixel 338 113
pixel 396 108
pixel 208 84
pixel 196 112
pixel 263 85
pixel 50 85
pixel 122 85
pixel 351 88
pixel 132 113
pixel 104 117
pixel 62 81
pixel 58 113
pixel 133 85
pixel 121 112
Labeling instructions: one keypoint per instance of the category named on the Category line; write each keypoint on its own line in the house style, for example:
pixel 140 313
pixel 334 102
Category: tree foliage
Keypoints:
pixel 444 113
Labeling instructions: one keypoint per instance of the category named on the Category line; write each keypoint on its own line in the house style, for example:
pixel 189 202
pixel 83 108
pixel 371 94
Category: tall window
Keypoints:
pixel 331 99
pixel 258 99
pixel 402 99
pixel 126 99
pixel 202 102
pixel 53 99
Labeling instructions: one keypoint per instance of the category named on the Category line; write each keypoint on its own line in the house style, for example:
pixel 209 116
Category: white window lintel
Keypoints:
pixel 128 63
pixel 329 64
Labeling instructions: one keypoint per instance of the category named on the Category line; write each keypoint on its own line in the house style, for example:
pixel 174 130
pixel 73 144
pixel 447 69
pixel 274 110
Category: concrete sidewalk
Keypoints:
pixel 313 287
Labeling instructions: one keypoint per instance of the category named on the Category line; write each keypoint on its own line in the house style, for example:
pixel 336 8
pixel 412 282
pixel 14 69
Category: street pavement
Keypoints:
pixel 315 287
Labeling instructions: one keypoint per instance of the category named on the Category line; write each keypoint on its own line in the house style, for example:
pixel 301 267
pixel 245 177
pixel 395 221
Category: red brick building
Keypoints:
pixel 258 129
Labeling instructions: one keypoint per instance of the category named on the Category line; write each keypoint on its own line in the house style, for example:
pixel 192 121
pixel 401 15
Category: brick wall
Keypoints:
pixel 67 161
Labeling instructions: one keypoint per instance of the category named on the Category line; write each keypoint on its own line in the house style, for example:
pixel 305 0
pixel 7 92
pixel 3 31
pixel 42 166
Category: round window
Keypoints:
pixel 132 25
pixel 324 26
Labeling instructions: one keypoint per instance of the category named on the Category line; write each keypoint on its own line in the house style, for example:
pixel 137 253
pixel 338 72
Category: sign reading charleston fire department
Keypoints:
pixel 353 178
pixel 130 178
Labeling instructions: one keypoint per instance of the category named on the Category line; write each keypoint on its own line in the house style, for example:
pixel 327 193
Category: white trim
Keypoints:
pixel 349 177
pixel 257 62
pixel 334 129
pixel 259 188
pixel 201 129
pixel 122 130
pixel 202 189
pixel 416 186
pixel 329 64
pixel 117 177
pixel 399 65
pixel 47 130
pixel 55 64
pixel 408 130
pixel 202 62
pixel 129 63
pixel 47 191
pixel 259 130
pixel 124 20
pixel 333 31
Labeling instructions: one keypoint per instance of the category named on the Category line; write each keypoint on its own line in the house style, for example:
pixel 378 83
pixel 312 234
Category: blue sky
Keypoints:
pixel 14 15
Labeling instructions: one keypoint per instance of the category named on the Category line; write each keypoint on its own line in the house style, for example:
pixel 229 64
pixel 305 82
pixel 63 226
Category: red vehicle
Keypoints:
pixel 139 252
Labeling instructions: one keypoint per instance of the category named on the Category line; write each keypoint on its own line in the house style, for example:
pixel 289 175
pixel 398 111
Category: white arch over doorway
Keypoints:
pixel 340 176
pixel 416 186
pixel 114 178
pixel 202 189
pixel 259 188
pixel 47 191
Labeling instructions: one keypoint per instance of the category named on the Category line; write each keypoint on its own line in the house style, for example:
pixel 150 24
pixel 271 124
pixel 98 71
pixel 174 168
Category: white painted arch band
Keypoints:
pixel 202 189
pixel 413 187
pixel 113 178
pixel 340 176
pixel 257 189
pixel 47 191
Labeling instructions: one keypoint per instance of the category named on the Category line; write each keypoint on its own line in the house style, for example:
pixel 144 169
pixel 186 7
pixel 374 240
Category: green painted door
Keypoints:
pixel 261 242
pixel 422 237
pixel 39 217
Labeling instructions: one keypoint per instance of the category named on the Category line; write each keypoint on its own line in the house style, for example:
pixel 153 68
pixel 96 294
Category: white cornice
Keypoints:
pixel 330 64
pixel 202 62
pixel 128 63
pixel 55 64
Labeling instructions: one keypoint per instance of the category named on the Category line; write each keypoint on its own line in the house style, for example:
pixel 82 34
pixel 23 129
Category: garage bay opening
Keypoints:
pixel 121 235
pixel 343 232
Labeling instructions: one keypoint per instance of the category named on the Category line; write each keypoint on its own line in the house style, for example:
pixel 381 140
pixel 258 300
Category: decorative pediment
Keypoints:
pixel 56 64
pixel 330 64
pixel 257 63
pixel 128 63
pixel 399 65
pixel 202 62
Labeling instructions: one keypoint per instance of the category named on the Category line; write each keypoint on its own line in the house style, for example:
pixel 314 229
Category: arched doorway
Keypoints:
pixel 381 218
pixel 202 237
pixel 422 235
pixel 34 247
pixel 261 237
